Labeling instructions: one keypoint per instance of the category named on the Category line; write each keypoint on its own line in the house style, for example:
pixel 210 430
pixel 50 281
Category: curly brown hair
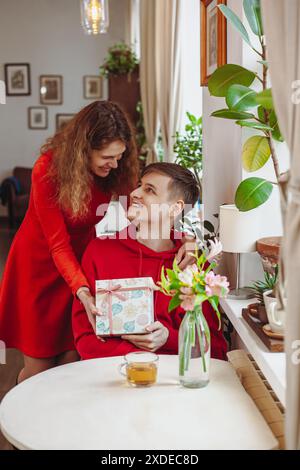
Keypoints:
pixel 95 126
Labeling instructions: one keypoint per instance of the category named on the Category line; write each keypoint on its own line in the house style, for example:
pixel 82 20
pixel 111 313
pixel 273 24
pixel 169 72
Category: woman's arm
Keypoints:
pixel 54 229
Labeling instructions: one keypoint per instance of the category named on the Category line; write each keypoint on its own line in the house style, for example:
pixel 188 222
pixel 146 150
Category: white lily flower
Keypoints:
pixel 215 249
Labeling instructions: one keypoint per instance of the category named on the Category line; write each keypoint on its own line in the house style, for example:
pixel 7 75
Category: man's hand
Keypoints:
pixel 183 256
pixel 155 339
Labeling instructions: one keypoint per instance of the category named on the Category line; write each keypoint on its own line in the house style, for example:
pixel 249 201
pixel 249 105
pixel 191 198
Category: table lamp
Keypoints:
pixel 238 234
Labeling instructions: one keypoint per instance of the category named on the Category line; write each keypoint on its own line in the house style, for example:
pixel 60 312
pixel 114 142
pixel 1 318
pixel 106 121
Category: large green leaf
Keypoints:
pixel 231 114
pixel 256 153
pixel 236 22
pixel 265 99
pixel 253 14
pixel 251 193
pixel 240 98
pixel 276 133
pixel 254 125
pixel 227 75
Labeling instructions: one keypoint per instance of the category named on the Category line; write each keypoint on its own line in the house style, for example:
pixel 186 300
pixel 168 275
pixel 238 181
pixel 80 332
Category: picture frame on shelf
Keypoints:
pixel 213 38
pixel 37 117
pixel 92 87
pixel 62 120
pixel 17 79
pixel 51 89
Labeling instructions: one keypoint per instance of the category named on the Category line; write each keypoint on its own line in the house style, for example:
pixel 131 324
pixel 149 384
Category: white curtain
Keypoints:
pixel 282 29
pixel 148 76
pixel 169 70
pixel 161 72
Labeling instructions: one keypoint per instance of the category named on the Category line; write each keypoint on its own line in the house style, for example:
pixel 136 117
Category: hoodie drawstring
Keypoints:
pixel 155 293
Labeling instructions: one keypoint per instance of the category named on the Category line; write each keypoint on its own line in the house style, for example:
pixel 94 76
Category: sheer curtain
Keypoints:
pixel 169 70
pixel 148 75
pixel 282 28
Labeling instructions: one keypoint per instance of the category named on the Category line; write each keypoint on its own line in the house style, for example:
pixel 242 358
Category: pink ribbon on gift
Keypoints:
pixel 111 290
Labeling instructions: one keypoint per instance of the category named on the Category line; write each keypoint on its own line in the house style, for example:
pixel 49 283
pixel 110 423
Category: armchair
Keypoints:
pixel 15 193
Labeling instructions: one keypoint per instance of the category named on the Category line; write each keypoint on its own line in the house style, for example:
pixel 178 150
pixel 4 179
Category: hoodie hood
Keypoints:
pixel 136 258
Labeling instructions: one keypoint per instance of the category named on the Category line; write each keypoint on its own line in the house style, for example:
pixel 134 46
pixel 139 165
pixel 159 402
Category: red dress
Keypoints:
pixel 43 271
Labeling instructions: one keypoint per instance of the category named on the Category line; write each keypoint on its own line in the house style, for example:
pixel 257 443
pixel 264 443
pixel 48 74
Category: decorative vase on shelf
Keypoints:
pixel 194 349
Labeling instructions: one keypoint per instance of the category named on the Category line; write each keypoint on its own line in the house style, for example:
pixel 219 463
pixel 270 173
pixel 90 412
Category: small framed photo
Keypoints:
pixel 92 87
pixel 51 89
pixel 37 117
pixel 17 78
pixel 62 120
pixel 213 38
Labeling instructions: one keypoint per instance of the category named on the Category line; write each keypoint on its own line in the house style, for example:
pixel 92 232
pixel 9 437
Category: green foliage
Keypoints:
pixel 256 153
pixel 121 59
pixel 249 108
pixel 251 193
pixel 240 98
pixel 269 283
pixel 188 146
pixel 226 76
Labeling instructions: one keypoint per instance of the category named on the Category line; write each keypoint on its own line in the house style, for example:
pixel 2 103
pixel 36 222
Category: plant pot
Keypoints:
pixel 262 314
pixel 125 91
pixel 268 249
pixel 276 317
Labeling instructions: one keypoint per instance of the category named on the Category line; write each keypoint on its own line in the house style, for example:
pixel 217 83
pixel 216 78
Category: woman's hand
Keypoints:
pixel 184 253
pixel 155 339
pixel 88 301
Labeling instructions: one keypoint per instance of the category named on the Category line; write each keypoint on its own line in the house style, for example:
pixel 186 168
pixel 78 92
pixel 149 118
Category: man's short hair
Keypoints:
pixel 183 182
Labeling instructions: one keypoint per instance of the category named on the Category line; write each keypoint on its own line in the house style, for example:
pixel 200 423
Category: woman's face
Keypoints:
pixel 106 159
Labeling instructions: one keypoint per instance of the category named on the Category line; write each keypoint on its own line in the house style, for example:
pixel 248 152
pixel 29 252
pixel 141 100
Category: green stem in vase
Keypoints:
pixel 182 356
pixel 199 331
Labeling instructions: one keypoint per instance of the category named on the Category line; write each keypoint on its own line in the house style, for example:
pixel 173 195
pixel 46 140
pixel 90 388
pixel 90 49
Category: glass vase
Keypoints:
pixel 194 349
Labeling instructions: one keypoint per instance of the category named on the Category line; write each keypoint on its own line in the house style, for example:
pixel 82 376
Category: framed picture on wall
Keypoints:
pixel 92 87
pixel 51 89
pixel 37 117
pixel 213 38
pixel 17 79
pixel 62 120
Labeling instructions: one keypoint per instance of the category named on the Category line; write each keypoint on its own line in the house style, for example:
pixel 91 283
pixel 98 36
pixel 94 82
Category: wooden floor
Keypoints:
pixel 10 370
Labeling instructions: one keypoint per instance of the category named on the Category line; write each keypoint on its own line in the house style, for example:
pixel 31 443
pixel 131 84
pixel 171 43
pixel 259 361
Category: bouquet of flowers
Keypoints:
pixel 189 288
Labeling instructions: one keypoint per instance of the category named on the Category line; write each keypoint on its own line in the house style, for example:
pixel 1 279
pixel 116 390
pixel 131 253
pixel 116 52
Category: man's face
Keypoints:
pixel 107 158
pixel 152 202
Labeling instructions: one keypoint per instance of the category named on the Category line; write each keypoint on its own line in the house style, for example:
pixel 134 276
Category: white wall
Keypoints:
pixel 222 170
pixel 223 141
pixel 47 34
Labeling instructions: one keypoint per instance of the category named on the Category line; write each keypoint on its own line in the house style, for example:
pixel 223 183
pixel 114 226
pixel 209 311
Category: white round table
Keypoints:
pixel 88 405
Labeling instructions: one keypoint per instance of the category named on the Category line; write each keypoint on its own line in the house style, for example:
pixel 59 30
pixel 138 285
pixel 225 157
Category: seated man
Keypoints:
pixel 164 191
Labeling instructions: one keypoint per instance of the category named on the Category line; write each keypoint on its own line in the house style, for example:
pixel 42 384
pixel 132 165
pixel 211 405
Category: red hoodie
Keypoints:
pixel 116 258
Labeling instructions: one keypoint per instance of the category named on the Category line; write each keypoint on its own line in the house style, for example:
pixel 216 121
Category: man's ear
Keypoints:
pixel 177 208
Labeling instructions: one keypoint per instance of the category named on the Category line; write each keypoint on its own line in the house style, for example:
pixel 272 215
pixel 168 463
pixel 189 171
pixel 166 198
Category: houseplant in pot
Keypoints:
pixel 249 103
pixel 121 69
pixel 188 147
pixel 259 288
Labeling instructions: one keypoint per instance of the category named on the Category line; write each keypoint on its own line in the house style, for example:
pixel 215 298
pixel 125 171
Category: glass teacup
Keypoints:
pixel 140 368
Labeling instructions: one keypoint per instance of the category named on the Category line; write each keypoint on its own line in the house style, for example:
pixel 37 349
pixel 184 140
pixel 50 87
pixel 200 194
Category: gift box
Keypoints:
pixel 126 305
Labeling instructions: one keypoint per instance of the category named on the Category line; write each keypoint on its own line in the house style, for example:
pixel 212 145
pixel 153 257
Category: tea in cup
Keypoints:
pixel 140 368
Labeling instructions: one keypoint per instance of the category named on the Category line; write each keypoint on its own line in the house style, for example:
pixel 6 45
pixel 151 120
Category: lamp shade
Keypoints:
pixel 238 230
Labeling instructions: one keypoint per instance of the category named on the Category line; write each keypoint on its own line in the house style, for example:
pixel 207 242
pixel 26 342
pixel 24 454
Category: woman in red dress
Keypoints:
pixel 92 158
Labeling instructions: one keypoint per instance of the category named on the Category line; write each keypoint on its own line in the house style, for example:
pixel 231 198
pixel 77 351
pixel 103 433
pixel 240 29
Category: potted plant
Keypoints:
pixel 188 147
pixel 260 288
pixel 121 69
pixel 251 108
